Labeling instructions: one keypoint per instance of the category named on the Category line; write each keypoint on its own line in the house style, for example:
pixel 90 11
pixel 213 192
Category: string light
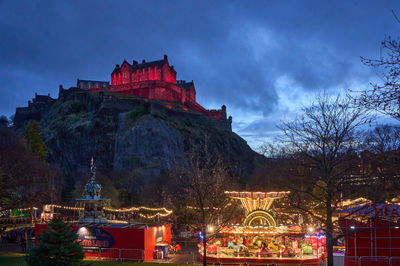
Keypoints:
pixel 162 212
pixel 62 207
pixel 206 208
pixel 24 209
pixel 153 216
pixel 138 209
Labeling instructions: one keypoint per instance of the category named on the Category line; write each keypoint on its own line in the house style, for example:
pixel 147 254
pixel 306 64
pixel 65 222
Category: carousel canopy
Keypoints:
pixel 256 200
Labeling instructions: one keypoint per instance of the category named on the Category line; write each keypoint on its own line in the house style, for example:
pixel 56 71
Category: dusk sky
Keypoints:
pixel 262 59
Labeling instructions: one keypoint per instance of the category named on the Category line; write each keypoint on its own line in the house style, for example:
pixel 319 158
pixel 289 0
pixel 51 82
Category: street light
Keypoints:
pixel 210 228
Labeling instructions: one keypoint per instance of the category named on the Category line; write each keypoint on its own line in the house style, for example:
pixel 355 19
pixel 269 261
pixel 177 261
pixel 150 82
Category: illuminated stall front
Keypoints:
pixel 260 240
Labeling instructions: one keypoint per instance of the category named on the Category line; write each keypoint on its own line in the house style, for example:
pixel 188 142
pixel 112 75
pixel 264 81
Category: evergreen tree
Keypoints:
pixel 35 141
pixel 57 246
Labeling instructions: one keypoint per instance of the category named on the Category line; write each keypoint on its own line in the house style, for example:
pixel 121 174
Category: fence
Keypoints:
pixel 371 261
pixel 120 254
pixel 244 263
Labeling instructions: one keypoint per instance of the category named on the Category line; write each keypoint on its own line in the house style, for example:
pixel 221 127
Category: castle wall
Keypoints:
pixel 152 90
pixel 157 80
pixel 168 92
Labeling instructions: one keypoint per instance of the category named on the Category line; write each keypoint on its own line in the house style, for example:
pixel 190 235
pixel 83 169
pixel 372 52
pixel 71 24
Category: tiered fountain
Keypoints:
pixel 92 203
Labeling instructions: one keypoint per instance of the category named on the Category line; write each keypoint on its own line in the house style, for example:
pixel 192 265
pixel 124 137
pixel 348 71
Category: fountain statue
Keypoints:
pixel 92 202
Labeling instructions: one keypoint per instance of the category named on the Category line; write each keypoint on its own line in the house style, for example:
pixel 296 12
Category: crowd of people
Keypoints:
pixel 14 237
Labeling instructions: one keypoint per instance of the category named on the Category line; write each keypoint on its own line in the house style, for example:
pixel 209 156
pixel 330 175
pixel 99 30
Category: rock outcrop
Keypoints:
pixel 129 133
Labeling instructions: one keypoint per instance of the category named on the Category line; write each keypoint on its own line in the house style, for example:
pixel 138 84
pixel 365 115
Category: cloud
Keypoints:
pixel 261 59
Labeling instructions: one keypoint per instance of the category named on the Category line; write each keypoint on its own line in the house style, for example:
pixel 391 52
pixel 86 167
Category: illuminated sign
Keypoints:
pixel 93 238
pixel 160 234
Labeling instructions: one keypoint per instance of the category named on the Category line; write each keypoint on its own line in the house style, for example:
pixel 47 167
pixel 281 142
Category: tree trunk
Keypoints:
pixel 329 231
pixel 204 247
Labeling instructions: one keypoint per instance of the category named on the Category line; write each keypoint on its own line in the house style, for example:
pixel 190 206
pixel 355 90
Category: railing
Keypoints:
pixel 371 261
pixel 120 254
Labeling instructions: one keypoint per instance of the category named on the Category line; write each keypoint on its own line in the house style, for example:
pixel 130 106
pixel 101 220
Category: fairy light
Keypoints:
pixel 63 207
pixel 161 212
pixel 23 209
pixel 167 212
pixel 138 209
pixel 158 214
pixel 205 208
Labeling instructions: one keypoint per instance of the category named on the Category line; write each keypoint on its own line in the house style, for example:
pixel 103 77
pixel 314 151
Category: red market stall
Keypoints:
pixel 373 232
pixel 120 242
pixel 374 238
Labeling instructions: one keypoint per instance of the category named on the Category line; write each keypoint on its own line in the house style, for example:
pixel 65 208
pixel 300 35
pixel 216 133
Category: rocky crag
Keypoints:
pixel 124 132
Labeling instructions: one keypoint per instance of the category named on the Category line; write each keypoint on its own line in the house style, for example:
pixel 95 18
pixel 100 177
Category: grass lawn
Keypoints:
pixel 16 259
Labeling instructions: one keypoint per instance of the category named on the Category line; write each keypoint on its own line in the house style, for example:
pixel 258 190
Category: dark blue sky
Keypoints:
pixel 263 59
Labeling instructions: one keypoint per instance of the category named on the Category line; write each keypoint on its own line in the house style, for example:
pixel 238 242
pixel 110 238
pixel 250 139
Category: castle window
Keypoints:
pixel 126 76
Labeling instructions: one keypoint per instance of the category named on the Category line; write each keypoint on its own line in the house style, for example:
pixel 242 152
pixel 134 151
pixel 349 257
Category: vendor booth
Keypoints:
pixel 120 242
pixel 372 234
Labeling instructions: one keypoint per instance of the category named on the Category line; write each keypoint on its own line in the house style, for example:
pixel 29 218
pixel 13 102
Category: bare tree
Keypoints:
pixel 320 158
pixel 385 95
pixel 200 185
pixel 380 162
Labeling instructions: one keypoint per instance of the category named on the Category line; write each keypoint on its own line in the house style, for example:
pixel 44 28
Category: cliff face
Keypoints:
pixel 146 142
pixel 126 133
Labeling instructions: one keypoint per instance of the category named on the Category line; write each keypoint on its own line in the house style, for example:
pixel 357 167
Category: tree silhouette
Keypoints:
pixel 384 96
pixel 200 186
pixel 321 159
pixel 35 141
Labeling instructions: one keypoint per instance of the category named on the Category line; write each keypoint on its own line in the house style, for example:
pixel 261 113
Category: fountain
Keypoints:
pixel 92 202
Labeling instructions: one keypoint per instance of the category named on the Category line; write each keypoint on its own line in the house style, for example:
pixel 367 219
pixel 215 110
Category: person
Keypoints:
pixel 264 247
pixel 231 245
pixel 23 242
pixel 172 248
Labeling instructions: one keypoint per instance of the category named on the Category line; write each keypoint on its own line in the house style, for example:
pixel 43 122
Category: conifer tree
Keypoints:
pixel 35 141
pixel 57 246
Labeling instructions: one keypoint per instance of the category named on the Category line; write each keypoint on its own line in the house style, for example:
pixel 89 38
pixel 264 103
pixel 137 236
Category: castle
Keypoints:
pixel 151 86
pixel 152 80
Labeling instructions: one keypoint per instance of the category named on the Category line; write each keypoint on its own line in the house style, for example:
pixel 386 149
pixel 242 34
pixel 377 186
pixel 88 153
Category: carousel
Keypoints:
pixel 259 240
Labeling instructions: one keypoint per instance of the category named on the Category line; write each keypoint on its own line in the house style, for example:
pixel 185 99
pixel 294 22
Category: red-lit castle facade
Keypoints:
pixel 152 80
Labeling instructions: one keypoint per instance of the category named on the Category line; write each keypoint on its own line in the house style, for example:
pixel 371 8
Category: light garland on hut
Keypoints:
pixel 138 209
pixel 122 210
pixel 162 212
